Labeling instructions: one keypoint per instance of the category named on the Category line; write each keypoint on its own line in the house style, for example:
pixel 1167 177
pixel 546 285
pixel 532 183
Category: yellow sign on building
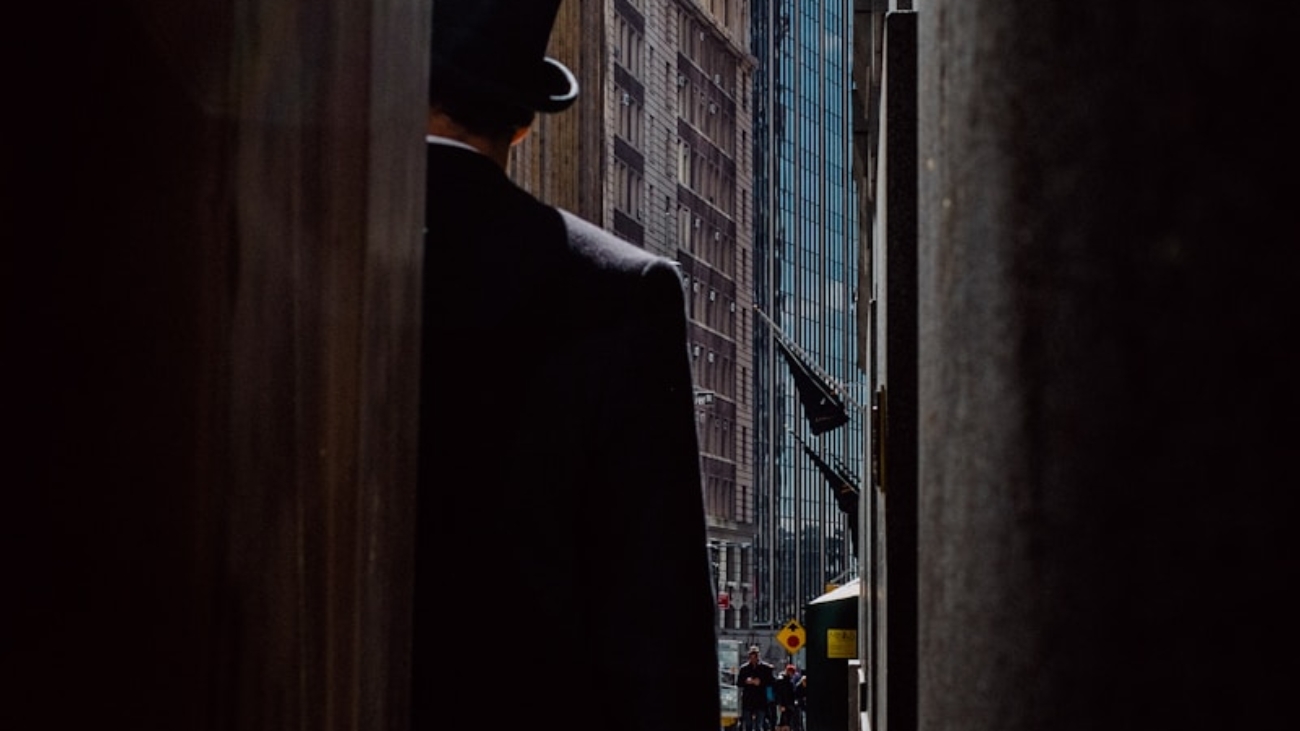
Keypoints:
pixel 841 643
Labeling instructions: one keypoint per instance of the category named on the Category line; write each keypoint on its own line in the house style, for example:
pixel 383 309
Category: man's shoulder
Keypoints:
pixel 605 250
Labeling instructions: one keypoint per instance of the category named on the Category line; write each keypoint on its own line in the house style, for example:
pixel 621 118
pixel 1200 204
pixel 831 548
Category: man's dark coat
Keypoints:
pixel 755 696
pixel 562 569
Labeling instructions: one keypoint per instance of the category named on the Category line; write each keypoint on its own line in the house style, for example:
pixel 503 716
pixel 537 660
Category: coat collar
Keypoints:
pixel 439 140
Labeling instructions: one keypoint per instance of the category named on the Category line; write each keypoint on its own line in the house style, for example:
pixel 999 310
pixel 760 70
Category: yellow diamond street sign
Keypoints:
pixel 792 636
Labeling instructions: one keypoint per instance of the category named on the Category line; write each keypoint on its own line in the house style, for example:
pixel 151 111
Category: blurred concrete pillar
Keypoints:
pixel 212 221
pixel 1107 264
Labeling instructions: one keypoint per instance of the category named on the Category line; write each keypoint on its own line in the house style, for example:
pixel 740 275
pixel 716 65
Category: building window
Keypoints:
pixel 630 117
pixel 627 189
pixel 628 47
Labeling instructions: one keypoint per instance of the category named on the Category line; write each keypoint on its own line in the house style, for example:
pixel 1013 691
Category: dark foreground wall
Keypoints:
pixel 209 276
pixel 1109 253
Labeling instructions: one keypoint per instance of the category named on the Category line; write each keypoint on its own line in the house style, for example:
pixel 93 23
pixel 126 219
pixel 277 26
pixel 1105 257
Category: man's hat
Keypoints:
pixel 753 649
pixel 495 50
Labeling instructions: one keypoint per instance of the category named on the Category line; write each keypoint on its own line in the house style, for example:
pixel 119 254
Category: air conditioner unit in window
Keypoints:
pixel 717 79
pixel 710 357
pixel 681 79
pixel 627 99
pixel 697 223
pixel 717 236
pixel 713 108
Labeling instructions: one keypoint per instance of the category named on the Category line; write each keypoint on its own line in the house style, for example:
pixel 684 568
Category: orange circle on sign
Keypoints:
pixel 792 641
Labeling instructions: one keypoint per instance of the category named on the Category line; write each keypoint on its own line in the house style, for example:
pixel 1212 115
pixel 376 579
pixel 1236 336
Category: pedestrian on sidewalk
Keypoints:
pixel 800 702
pixel 755 679
pixel 784 689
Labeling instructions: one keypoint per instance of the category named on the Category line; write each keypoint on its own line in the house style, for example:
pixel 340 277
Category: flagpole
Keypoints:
pixel 823 398
pixel 840 388
pixel 843 483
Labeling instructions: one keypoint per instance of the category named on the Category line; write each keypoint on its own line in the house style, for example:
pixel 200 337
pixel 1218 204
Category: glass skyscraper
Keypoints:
pixel 805 281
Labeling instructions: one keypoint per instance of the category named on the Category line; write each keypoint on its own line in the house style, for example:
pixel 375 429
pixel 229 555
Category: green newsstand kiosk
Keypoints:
pixel 832 624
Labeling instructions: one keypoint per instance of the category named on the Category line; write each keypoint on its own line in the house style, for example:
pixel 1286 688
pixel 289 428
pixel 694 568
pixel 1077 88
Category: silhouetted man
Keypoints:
pixel 559 489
